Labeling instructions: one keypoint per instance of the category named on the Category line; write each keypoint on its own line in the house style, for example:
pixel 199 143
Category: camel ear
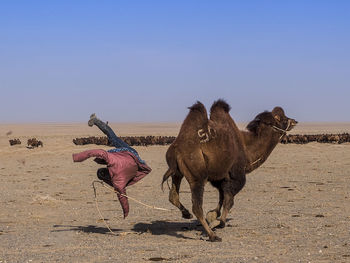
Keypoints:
pixel 277 117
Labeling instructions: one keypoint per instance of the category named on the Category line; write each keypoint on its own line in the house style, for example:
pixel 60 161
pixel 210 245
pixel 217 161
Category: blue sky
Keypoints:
pixel 145 61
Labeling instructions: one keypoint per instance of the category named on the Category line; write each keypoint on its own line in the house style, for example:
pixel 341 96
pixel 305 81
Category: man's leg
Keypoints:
pixel 112 137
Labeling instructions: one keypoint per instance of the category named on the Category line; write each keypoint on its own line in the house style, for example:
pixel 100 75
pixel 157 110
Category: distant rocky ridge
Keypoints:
pixel 131 140
pixel 166 140
pixel 322 138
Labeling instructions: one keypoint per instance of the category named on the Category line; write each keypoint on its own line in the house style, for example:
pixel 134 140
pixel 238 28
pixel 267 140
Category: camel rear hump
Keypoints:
pixel 219 111
pixel 220 105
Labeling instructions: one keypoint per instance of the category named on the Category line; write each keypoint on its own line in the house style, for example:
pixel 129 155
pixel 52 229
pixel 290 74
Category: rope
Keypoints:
pixel 131 198
pixel 98 209
pixel 256 161
pixel 284 131
pixel 115 191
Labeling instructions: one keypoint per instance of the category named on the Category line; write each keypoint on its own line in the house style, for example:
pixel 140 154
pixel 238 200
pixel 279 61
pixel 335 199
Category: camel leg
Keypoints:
pixel 212 215
pixel 221 201
pixel 197 189
pixel 231 188
pixel 174 195
pixel 227 205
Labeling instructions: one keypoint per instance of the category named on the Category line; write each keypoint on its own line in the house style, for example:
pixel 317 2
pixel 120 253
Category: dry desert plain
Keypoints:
pixel 294 208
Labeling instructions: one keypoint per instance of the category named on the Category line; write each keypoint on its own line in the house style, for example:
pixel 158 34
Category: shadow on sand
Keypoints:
pixel 175 229
pixel 85 229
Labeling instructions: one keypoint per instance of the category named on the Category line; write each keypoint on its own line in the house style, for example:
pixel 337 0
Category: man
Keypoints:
pixel 124 165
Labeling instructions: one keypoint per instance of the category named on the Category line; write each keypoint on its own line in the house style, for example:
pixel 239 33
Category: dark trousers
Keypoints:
pixel 113 139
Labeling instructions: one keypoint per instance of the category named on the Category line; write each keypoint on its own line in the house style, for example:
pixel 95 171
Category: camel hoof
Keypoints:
pixel 214 224
pixel 215 238
pixel 187 215
pixel 211 216
pixel 222 224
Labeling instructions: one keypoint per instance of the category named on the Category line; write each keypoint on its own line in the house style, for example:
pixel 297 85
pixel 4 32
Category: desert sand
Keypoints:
pixel 294 208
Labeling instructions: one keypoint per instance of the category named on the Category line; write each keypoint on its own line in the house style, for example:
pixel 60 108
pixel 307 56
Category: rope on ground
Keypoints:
pixel 131 198
pixel 115 191
pixel 98 209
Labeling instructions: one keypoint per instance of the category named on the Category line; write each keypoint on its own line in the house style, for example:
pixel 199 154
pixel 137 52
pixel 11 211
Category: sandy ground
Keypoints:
pixel 294 208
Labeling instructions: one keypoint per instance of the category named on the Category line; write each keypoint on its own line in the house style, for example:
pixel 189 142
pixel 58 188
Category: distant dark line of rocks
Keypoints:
pixel 130 140
pixel 166 140
pixel 321 138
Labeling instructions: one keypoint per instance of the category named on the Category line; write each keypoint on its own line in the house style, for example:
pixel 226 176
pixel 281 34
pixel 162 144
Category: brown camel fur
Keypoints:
pixel 215 150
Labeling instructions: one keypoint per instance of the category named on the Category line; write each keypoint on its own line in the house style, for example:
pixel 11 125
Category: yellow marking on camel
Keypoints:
pixel 206 136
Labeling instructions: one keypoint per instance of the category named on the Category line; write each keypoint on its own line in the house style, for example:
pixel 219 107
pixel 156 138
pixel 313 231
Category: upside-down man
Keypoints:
pixel 124 165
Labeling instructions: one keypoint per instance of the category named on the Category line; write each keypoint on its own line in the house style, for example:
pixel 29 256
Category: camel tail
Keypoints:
pixel 166 176
pixel 220 104
pixel 172 163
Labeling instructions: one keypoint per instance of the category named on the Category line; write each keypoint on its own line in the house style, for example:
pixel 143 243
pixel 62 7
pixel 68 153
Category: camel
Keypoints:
pixel 14 142
pixel 32 143
pixel 215 150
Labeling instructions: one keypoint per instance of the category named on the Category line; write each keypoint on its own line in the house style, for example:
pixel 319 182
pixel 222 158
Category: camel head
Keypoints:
pixel 282 121
pixel 276 119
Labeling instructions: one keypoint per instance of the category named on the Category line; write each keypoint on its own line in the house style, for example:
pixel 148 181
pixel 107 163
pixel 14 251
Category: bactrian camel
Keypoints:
pixel 215 150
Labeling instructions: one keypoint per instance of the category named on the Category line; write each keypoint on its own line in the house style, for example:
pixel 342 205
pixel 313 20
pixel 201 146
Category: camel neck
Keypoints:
pixel 258 148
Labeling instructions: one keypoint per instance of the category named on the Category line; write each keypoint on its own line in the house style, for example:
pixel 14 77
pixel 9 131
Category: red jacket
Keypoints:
pixel 124 168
